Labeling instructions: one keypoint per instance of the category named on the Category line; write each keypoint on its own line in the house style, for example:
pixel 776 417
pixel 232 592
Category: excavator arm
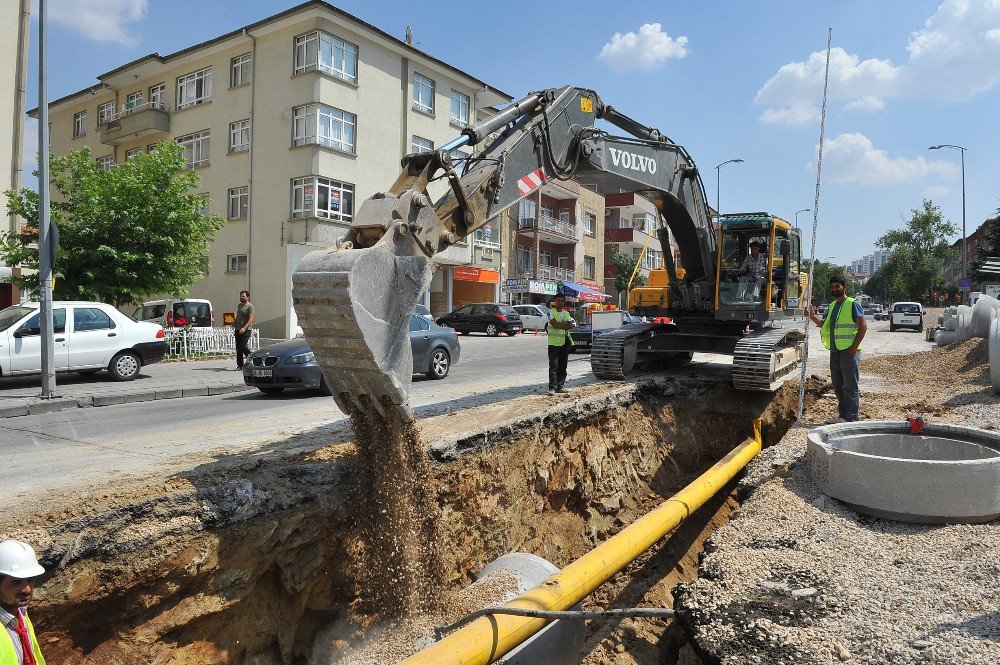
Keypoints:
pixel 354 301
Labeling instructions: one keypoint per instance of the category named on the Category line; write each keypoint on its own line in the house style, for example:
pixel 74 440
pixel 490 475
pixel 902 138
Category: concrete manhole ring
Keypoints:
pixel 994 347
pixel 946 474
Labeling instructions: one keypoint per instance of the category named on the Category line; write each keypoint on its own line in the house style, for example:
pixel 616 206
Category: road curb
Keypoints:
pixel 65 404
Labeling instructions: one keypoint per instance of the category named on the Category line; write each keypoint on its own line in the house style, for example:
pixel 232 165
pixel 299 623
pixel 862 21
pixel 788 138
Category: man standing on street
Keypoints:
pixel 18 570
pixel 560 342
pixel 845 323
pixel 244 319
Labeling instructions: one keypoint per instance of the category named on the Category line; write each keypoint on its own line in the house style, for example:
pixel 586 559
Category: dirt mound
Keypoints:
pixel 966 363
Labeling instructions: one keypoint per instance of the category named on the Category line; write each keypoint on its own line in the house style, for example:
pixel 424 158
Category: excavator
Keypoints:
pixel 354 300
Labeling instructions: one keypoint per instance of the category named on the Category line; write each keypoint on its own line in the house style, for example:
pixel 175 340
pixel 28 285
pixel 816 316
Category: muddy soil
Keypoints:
pixel 249 559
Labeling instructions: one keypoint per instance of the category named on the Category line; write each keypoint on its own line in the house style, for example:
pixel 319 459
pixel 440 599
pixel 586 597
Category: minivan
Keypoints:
pixel 177 312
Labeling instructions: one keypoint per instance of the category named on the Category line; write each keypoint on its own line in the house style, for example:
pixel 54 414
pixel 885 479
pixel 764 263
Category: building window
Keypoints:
pixel 590 223
pixel 423 94
pixel 106 163
pixel 150 147
pixel 525 259
pixel 194 88
pixel 236 263
pixel 105 112
pixel 239 136
pixel 203 200
pixel 239 199
pixel 420 144
pixel 324 125
pixel 157 93
pixel 527 210
pixel 545 257
pixel 328 54
pixel 239 70
pixel 197 149
pixel 589 267
pixel 322 197
pixel 129 154
pixel 644 222
pixel 133 102
pixel 459 108
pixel 80 123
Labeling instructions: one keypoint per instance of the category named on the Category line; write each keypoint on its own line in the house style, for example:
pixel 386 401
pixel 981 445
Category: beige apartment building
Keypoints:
pixel 291 122
pixel 14 20
pixel 630 224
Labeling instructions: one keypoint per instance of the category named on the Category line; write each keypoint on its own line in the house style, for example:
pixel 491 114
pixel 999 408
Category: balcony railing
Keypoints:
pixel 553 273
pixel 546 223
pixel 135 121
pixel 479 240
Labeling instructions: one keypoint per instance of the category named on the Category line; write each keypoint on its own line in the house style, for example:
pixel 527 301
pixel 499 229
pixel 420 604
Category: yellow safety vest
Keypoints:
pixel 845 328
pixel 8 656
pixel 558 336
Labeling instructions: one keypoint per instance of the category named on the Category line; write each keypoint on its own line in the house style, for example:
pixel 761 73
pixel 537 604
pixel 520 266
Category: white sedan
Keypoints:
pixel 88 337
pixel 533 317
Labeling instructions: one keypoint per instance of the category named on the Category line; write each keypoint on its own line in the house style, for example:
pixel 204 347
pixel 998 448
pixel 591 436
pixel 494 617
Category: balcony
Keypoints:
pixel 142 120
pixel 550 229
pixel 480 240
pixel 552 273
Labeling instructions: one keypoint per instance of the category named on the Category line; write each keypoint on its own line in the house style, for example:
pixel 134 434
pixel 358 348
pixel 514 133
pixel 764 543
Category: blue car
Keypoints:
pixel 583 335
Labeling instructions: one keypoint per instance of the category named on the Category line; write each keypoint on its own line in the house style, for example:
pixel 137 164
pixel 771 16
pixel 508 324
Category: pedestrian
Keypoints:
pixel 18 570
pixel 845 323
pixel 560 342
pixel 241 327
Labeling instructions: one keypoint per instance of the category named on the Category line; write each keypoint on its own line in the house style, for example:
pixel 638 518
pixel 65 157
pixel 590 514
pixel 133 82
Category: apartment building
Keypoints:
pixel 291 121
pixel 630 228
pixel 553 242
pixel 14 19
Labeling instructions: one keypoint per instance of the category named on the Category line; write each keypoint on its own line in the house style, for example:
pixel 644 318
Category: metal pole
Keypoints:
pixel 965 249
pixel 44 241
pixel 718 191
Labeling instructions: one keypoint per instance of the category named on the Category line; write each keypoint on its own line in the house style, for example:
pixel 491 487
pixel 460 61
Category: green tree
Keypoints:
pixel 822 272
pixel 989 245
pixel 125 234
pixel 624 266
pixel 919 250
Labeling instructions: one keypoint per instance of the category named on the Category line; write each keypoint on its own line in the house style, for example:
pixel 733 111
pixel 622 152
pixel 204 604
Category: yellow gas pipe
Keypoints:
pixel 488 638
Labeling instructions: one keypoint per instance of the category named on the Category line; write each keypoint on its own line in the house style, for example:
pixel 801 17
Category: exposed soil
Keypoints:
pixel 247 559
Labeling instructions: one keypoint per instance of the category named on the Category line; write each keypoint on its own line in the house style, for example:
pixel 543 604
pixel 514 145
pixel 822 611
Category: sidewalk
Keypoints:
pixel 20 396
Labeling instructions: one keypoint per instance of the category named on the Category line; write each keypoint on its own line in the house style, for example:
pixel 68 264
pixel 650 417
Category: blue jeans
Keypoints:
pixel 844 373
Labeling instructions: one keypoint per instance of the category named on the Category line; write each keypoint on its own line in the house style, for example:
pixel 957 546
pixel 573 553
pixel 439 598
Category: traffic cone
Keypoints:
pixel 536 331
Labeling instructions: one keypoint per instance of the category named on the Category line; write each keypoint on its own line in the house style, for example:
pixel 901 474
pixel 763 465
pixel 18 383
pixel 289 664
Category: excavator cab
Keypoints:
pixel 758 268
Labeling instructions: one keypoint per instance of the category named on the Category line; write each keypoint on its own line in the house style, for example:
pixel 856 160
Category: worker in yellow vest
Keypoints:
pixel 841 332
pixel 18 570
pixel 560 342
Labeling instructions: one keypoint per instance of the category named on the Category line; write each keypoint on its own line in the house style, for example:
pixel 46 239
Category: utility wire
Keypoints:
pixel 812 249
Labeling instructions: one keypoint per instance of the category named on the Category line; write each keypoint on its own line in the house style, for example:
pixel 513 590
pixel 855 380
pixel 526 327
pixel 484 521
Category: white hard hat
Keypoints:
pixel 18 560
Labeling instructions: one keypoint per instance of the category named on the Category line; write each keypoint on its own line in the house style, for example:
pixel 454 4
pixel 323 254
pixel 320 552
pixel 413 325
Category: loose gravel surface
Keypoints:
pixel 797 577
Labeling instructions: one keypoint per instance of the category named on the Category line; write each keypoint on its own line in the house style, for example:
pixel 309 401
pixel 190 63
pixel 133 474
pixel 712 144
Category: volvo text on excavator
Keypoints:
pixel 354 300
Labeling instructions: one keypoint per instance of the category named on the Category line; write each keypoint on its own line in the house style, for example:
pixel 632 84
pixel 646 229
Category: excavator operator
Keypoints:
pixel 753 272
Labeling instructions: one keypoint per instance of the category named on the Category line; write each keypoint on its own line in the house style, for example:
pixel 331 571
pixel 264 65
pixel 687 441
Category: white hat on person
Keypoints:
pixel 18 560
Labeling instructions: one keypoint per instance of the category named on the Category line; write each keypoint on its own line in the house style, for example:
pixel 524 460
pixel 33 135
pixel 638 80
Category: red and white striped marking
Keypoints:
pixel 531 182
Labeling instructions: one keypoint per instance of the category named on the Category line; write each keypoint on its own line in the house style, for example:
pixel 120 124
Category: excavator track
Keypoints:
pixel 764 356
pixel 613 354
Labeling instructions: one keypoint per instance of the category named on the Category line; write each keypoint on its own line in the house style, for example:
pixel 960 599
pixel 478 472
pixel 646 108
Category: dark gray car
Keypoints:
pixel 291 364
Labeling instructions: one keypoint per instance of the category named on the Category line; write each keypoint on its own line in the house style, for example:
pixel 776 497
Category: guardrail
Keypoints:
pixel 194 343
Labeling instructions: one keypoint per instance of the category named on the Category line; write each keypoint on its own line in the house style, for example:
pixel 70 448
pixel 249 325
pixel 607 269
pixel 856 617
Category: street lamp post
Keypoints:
pixel 718 196
pixel 797 215
pixel 965 250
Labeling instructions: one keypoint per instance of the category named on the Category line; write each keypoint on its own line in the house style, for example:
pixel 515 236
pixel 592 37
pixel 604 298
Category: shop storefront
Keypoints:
pixel 525 291
pixel 474 285
pixel 582 293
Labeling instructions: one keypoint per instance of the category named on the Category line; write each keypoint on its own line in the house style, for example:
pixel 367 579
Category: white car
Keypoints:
pixel 533 317
pixel 906 315
pixel 177 312
pixel 88 336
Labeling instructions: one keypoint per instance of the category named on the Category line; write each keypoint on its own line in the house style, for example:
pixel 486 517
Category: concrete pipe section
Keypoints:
pixel 994 347
pixel 944 337
pixel 986 308
pixel 945 474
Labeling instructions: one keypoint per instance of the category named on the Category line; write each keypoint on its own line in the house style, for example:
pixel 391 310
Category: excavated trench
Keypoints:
pixel 249 559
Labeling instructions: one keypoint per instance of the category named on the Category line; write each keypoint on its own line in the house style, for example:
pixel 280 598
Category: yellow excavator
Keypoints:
pixel 354 301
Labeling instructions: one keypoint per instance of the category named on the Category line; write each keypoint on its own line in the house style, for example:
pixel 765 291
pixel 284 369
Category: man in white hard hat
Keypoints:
pixel 18 570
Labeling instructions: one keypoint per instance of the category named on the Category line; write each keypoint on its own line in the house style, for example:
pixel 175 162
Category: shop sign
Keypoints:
pixel 466 273
pixel 542 286
pixel 517 285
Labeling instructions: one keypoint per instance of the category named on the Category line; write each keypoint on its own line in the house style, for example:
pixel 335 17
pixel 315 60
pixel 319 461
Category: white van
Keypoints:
pixel 177 312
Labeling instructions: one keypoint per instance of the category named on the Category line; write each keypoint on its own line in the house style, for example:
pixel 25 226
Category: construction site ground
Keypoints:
pixel 242 554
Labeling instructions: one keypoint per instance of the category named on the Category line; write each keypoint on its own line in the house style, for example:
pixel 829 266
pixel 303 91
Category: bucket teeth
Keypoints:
pixel 354 306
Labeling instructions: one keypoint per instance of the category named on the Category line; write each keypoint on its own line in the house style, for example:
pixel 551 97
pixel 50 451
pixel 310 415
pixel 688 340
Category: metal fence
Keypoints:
pixel 205 342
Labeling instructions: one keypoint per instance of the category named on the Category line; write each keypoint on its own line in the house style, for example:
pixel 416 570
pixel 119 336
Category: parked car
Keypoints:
pixel 906 315
pixel 489 318
pixel 533 317
pixel 422 310
pixel 291 364
pixel 89 337
pixel 177 312
pixel 583 335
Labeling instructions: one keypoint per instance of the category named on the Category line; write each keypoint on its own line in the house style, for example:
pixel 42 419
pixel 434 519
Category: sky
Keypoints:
pixel 727 79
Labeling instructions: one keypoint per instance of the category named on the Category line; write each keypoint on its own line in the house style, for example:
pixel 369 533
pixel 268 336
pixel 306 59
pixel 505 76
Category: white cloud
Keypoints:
pixel 647 50
pixel 936 192
pixel 98 20
pixel 798 113
pixel 866 103
pixel 853 159
pixel 952 58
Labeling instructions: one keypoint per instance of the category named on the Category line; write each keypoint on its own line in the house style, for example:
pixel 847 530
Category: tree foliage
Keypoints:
pixel 822 272
pixel 919 250
pixel 125 234
pixel 624 265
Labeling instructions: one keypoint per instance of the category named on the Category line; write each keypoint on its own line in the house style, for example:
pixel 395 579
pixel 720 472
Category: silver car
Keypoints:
pixel 533 317
pixel 292 364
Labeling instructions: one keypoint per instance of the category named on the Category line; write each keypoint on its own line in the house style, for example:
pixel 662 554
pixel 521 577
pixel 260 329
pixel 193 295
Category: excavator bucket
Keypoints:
pixel 354 306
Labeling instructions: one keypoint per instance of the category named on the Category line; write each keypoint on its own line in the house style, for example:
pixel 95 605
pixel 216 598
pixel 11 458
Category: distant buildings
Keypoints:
pixel 867 265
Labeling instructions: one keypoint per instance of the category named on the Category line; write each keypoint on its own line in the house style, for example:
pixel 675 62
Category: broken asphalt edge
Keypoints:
pixel 67 403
